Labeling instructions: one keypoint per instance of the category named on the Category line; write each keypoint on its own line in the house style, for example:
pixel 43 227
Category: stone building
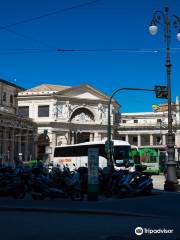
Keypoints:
pixel 16 134
pixel 67 114
pixel 150 128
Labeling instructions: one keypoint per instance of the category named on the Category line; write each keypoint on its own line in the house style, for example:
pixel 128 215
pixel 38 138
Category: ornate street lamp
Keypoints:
pixel 163 19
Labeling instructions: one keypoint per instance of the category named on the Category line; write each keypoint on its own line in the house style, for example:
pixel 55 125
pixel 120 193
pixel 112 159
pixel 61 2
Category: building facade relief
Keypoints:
pixel 76 114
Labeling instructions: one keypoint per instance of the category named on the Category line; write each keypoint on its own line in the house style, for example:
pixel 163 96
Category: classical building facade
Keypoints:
pixel 150 128
pixel 67 114
pixel 16 133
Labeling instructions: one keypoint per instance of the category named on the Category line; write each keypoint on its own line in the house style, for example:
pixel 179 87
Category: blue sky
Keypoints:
pixel 107 24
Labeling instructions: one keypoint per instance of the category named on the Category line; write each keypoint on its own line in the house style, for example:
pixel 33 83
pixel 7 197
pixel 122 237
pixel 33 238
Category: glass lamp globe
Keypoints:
pixel 178 36
pixel 153 29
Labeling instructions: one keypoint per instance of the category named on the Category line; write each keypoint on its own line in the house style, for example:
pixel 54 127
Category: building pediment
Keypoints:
pixel 83 92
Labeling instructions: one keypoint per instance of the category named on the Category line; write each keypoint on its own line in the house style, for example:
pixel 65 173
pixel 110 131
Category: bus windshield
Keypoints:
pixel 148 155
pixel 121 155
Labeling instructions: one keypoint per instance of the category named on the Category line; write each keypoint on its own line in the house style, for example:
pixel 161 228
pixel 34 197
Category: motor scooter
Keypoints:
pixel 136 183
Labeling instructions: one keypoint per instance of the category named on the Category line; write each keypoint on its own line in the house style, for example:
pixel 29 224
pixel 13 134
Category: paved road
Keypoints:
pixel 46 226
pixel 160 204
pixel 72 221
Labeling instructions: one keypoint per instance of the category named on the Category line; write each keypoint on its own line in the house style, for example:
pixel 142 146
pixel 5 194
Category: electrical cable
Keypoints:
pixel 50 14
pixel 125 50
pixel 25 36
pixel 6 28
pixel 143 50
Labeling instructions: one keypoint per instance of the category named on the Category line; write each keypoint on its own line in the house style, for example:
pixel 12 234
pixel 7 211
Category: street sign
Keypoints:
pixel 93 173
pixel 161 91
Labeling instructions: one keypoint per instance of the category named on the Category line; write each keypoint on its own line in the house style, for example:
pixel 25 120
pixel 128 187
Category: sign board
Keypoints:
pixel 93 173
pixel 161 91
pixel 93 165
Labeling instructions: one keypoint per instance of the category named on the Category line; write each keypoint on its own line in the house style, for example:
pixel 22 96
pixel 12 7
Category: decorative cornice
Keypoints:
pixel 73 126
pixel 14 121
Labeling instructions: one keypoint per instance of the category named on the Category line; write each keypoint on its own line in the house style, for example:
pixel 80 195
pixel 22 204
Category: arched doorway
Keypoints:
pixel 82 137
pixel 43 142
pixel 82 116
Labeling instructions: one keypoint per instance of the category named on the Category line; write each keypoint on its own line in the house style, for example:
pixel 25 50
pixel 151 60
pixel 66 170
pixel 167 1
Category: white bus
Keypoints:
pixel 78 154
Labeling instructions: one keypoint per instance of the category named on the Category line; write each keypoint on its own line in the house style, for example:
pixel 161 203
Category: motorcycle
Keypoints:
pixel 72 186
pixel 42 189
pixel 136 183
pixel 11 185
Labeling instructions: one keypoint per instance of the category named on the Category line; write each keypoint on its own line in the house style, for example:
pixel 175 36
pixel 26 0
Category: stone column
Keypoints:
pixel 53 144
pixel 164 139
pixel 151 140
pixel 35 142
pixel 139 140
pixel 96 136
pixel 67 137
pixel 127 138
pixel 91 137
pixel 19 142
pixel 12 149
pixel 26 154
pixel 5 146
pixel 72 137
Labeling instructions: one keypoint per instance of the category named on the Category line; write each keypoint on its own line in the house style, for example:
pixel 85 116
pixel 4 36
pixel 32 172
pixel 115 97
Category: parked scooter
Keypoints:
pixel 56 185
pixel 71 185
pixel 10 184
pixel 42 189
pixel 136 183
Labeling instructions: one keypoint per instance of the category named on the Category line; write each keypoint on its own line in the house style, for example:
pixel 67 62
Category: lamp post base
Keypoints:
pixel 171 186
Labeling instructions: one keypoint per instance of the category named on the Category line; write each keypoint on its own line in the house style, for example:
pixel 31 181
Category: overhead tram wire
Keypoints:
pixel 111 50
pixel 6 27
pixel 26 37
pixel 50 14
pixel 40 51
pixel 138 50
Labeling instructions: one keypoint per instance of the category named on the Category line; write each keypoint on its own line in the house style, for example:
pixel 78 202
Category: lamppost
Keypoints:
pixel 109 142
pixel 162 18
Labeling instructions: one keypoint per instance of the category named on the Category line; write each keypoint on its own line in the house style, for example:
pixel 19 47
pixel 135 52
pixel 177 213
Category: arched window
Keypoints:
pixel 82 115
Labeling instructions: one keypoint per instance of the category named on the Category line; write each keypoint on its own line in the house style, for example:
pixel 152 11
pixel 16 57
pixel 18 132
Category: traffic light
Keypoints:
pixel 109 147
pixel 161 91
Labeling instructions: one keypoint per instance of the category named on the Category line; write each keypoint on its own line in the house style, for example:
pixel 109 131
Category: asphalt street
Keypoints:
pixel 106 219
pixel 57 226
